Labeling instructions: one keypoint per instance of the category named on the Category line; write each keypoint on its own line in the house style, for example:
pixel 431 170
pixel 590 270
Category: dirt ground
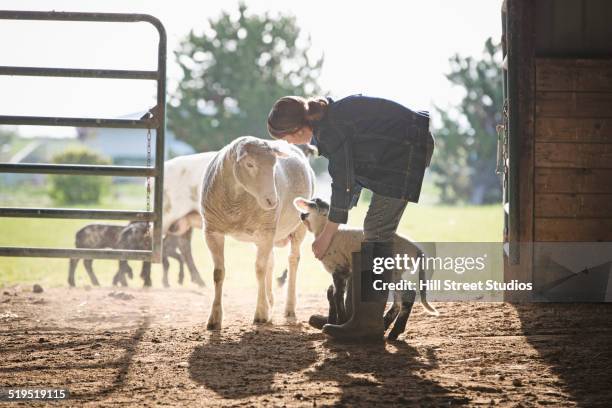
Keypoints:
pixel 151 348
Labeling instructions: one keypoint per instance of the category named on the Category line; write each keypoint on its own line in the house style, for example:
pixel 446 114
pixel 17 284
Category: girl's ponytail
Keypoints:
pixel 316 108
pixel 290 113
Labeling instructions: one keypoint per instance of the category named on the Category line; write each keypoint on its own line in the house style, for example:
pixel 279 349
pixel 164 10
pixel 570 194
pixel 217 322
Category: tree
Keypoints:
pixel 232 74
pixel 66 189
pixel 466 143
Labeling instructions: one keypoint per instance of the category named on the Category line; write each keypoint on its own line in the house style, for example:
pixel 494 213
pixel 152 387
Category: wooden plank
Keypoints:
pixel 574 104
pixel 574 155
pixel 573 229
pixel 581 75
pixel 583 130
pixel 522 54
pixel 549 180
pixel 574 205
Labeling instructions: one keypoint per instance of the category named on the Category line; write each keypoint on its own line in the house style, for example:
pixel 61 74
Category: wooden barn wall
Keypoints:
pixel 573 150
pixel 576 28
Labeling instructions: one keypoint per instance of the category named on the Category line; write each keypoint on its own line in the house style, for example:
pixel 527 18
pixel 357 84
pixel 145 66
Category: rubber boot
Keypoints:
pixel 366 323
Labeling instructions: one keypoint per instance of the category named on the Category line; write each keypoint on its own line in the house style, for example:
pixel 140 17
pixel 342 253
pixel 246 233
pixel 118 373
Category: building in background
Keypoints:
pixel 129 146
pixel 126 147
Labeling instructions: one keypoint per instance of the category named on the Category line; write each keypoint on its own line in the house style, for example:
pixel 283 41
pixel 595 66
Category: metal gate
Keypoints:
pixel 155 120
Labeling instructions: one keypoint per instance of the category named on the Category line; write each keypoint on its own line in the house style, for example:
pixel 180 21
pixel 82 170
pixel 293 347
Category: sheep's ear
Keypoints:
pixel 241 153
pixel 302 204
pixel 242 149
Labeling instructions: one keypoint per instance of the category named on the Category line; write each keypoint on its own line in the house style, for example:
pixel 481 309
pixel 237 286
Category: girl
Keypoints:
pixel 372 143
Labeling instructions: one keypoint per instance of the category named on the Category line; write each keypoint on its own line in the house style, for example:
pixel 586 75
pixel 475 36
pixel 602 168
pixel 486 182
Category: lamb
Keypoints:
pixel 100 236
pixel 135 234
pixel 247 192
pixel 94 236
pixel 338 262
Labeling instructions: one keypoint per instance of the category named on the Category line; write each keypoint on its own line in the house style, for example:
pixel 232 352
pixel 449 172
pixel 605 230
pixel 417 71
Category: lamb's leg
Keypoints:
pixel 179 259
pixel 181 275
pixel 294 259
pixel 166 266
pixel 348 303
pixel 71 269
pixel 215 243
pixel 92 276
pixel 117 277
pixel 124 269
pixel 318 321
pixel 185 248
pixel 402 319
pixel 339 291
pixel 394 310
pixel 145 274
pixel 391 314
pixel 264 252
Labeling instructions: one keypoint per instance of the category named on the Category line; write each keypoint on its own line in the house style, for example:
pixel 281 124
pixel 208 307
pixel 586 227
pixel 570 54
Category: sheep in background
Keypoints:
pixel 94 236
pixel 102 236
pixel 182 186
pixel 136 236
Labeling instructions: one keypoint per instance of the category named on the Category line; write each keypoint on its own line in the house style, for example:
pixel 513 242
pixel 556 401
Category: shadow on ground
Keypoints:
pixel 575 341
pixel 246 367
pixel 51 357
pixel 256 363
pixel 368 374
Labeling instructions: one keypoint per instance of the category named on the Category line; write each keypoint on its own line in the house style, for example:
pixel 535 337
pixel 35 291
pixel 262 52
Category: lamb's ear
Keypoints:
pixel 302 204
pixel 280 148
pixel 311 150
pixel 279 152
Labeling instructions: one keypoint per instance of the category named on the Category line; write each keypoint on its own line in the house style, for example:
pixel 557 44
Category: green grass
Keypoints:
pixel 421 222
pixel 127 196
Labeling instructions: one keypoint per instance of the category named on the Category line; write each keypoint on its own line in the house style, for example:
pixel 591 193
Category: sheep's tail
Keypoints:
pixel 280 281
pixel 423 291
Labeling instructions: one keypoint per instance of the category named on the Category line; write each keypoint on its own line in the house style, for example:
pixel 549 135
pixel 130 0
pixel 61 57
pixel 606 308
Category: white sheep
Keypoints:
pixel 247 192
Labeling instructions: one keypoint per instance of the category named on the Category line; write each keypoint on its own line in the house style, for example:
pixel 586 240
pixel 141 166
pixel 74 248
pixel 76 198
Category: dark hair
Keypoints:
pixel 290 113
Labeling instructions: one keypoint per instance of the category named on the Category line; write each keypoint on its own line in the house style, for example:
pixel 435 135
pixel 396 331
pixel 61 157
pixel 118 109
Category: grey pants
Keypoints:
pixel 380 224
pixel 383 218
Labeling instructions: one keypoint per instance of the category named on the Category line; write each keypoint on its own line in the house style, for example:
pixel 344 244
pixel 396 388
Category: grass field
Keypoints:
pixel 421 222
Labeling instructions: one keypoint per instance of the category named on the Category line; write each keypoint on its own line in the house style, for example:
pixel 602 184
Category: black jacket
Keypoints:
pixel 373 143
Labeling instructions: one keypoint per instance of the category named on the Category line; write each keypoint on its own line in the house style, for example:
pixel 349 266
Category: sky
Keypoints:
pixel 393 49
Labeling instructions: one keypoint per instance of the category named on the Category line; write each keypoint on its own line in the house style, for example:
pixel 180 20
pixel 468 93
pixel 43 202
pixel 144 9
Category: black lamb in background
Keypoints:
pixel 134 236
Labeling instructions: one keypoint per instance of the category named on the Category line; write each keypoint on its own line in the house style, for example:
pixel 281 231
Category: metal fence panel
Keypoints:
pixel 157 122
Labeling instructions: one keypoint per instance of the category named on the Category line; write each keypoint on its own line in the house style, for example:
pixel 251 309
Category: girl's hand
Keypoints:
pixel 321 243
